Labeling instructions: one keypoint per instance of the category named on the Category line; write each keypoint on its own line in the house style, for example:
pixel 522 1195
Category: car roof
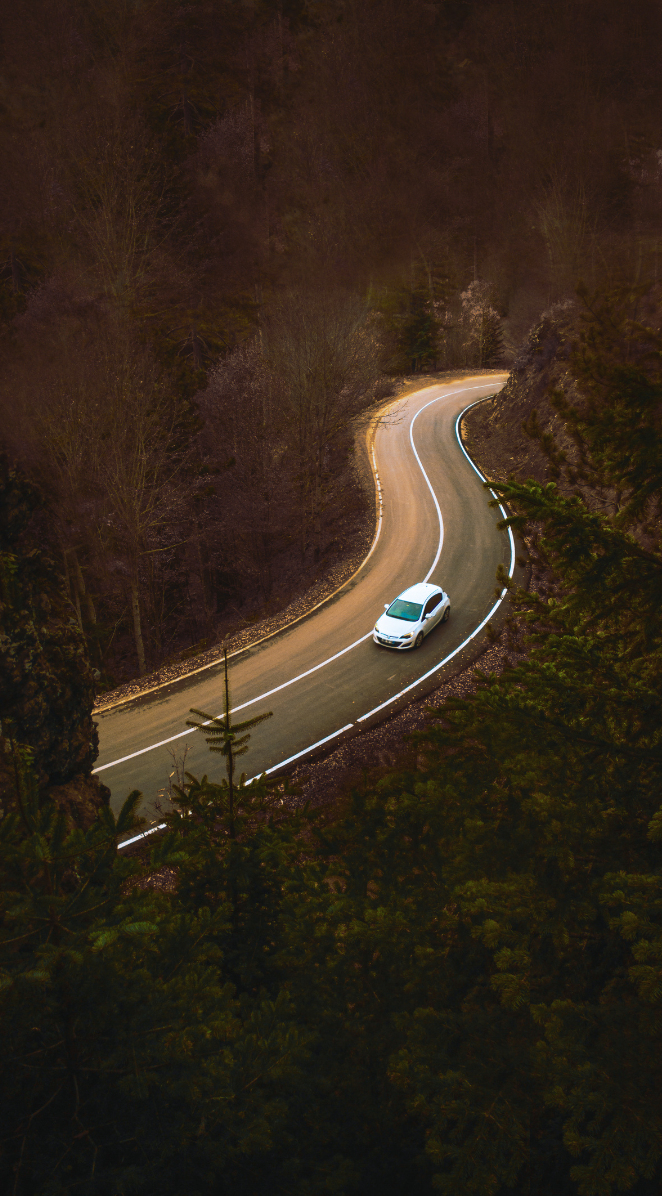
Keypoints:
pixel 419 592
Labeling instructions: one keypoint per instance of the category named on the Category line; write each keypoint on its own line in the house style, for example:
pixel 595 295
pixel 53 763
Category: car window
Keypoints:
pixel 432 603
pixel 409 611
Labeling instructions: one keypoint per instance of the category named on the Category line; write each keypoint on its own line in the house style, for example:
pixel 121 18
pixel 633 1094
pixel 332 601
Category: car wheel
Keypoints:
pixel 419 640
pixel 444 617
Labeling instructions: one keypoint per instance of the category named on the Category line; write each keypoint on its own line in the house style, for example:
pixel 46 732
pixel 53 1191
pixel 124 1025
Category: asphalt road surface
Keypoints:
pixel 324 673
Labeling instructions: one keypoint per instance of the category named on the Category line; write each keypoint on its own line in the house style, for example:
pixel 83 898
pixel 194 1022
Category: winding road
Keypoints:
pixel 323 675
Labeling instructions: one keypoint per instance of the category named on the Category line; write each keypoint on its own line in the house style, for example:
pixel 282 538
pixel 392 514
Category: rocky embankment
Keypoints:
pixel 494 432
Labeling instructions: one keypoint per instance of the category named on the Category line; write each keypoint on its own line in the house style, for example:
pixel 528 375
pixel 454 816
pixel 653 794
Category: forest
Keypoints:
pixel 226 227
pixel 227 230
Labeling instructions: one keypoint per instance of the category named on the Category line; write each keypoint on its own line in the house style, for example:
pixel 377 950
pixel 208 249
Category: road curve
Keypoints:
pixel 323 674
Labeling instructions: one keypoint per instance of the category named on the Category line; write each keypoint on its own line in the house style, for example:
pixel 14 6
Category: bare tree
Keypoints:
pixel 244 441
pixel 138 476
pixel 323 349
pixel 92 419
pixel 118 208
pixel 479 327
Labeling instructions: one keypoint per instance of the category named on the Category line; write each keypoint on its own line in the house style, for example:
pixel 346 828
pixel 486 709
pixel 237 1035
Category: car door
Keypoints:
pixel 432 611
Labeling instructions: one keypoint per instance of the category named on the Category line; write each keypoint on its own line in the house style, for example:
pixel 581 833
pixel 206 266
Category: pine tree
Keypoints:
pixel 483 939
pixel 243 839
pixel 411 318
pixel 126 1061
pixel 228 738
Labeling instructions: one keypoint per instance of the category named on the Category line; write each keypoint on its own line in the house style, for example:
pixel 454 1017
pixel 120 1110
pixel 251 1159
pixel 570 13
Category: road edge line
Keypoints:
pixel 379 507
pixel 351 726
pixel 370 433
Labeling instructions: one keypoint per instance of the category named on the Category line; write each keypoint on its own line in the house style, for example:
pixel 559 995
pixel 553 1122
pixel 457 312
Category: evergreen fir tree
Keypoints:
pixel 411 318
pixel 126 1061
pixel 228 738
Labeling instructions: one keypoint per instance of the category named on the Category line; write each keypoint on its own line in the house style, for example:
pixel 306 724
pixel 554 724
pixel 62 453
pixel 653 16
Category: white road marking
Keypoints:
pixel 251 702
pixel 322 664
pixel 215 663
pixel 380 511
pixel 487 618
pixel 297 756
pixel 436 668
pixel 142 835
pixel 305 751
pixel 440 545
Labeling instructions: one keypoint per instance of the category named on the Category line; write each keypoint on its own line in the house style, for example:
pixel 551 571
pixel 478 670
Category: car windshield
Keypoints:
pixel 409 611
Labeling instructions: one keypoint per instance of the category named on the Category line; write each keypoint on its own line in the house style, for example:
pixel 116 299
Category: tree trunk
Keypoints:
pixel 66 573
pixel 196 347
pixel 317 503
pixel 75 593
pixel 137 628
pixel 15 274
pixel 229 760
pixel 257 164
pixel 188 113
pixel 203 574
pixel 304 510
pixel 91 612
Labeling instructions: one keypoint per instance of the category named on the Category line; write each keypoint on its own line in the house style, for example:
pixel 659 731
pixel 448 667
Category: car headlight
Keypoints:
pixel 408 636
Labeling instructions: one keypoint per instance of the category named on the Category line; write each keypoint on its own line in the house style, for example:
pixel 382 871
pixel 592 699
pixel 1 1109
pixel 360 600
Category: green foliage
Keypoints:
pixel 225 736
pixel 46 684
pixel 412 320
pixel 126 1060
pixel 617 426
pixel 241 842
pixel 452 984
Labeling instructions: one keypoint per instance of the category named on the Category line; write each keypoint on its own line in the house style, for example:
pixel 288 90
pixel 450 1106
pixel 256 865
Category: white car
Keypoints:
pixel 411 616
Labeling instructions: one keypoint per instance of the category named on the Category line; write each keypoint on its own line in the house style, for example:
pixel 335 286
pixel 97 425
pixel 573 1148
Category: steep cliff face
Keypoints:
pixel 46 684
pixel 494 431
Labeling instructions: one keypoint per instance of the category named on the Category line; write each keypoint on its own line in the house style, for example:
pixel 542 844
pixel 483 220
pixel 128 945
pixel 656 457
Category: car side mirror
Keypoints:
pixel 386 605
